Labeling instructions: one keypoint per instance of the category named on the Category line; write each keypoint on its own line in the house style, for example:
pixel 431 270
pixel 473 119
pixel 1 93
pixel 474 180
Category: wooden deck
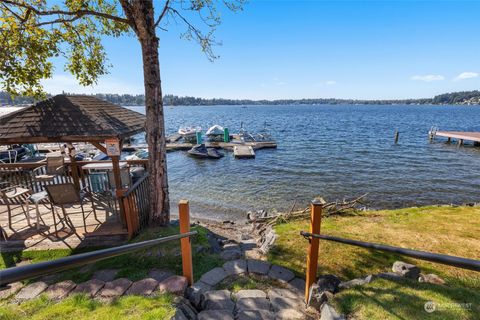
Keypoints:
pixel 459 135
pixel 107 231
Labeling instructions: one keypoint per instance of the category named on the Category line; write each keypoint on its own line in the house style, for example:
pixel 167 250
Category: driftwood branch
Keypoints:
pixel 329 208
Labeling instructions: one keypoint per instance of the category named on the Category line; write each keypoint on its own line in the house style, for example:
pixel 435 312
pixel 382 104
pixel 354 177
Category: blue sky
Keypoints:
pixel 312 49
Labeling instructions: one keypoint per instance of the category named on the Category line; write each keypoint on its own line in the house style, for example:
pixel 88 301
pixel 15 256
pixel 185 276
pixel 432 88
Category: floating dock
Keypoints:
pixel 243 152
pixel 460 136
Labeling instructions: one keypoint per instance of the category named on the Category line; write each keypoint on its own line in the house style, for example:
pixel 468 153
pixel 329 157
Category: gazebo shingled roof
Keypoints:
pixel 70 118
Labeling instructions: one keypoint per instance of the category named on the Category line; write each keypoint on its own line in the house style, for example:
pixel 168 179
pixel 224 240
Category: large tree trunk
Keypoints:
pixel 157 160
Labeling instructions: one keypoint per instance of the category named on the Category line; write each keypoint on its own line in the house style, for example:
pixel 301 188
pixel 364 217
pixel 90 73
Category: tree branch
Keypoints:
pixel 164 11
pixel 81 12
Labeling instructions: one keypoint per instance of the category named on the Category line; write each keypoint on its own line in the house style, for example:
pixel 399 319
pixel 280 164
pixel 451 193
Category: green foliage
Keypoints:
pixel 462 97
pixel 32 32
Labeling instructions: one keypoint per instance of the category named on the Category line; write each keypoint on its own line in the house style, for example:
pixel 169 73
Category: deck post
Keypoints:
pixel 73 166
pixel 186 247
pixel 314 243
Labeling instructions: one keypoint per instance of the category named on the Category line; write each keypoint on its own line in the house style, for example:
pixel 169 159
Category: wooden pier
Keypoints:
pixel 243 152
pixel 459 136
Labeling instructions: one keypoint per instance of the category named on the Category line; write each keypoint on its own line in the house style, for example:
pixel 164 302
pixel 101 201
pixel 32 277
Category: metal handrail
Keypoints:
pixel 43 268
pixel 459 262
pixel 135 185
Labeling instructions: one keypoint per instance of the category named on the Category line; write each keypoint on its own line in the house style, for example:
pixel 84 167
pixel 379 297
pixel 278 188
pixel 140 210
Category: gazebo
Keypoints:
pixel 74 119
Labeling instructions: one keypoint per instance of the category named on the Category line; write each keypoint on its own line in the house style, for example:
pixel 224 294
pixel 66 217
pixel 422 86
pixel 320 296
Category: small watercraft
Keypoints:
pixel 188 132
pixel 201 151
pixel 215 130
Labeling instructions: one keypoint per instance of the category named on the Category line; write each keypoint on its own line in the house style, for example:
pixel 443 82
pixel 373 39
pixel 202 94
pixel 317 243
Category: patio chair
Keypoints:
pixel 66 195
pixel 15 195
pixel 55 166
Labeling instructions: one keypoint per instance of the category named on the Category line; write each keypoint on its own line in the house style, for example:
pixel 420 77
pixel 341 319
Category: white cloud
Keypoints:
pixel 428 77
pixel 466 75
pixel 67 83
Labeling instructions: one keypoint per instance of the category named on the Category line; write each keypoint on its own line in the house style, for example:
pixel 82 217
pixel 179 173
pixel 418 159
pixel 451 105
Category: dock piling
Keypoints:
pixel 396 136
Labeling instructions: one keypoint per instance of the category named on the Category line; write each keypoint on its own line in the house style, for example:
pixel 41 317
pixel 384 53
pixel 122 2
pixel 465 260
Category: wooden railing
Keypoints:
pixel 314 238
pixel 136 205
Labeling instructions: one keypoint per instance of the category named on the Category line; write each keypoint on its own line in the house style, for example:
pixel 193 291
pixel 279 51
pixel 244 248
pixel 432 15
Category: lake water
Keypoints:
pixel 333 151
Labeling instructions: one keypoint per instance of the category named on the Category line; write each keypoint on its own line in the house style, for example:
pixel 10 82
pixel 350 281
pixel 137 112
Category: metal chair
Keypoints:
pixel 55 166
pixel 65 194
pixel 13 194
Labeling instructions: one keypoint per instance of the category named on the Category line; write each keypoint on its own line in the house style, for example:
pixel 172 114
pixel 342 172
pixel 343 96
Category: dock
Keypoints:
pixel 459 136
pixel 243 152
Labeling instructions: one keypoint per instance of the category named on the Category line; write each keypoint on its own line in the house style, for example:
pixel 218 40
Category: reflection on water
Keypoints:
pixel 334 151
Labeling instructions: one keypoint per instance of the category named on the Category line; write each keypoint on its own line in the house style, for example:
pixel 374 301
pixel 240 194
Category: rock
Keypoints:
pixel 244 304
pixel 329 313
pixel 201 249
pixel 195 293
pixel 218 300
pixel 31 291
pixel 281 303
pixel 179 315
pixel 281 274
pixel 248 244
pixel 215 315
pixel 60 290
pixel 115 288
pixel 258 266
pixel 10 289
pixel 143 287
pixel 283 293
pixel 231 254
pixel 187 309
pixel 212 241
pixel 356 282
pixel 174 284
pixel 231 246
pixel 159 275
pixel 105 275
pixel 297 284
pixel 250 294
pixel 328 282
pixel 89 288
pixel 267 241
pixel 319 298
pixel 256 315
pixel 214 276
pixel 235 267
pixel 390 276
pixel 405 269
pixel 289 314
pixel 430 278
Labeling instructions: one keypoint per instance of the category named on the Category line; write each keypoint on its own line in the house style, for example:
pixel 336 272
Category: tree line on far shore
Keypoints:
pixel 458 98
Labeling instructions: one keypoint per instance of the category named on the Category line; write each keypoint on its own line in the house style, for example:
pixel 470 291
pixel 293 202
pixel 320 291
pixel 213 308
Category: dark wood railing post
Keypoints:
pixel 312 257
pixel 184 215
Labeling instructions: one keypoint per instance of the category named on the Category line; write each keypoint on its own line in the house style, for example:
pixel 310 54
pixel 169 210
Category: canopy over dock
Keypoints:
pixel 73 118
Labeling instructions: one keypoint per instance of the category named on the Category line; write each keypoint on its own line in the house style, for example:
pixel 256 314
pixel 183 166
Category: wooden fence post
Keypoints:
pixel 184 215
pixel 312 257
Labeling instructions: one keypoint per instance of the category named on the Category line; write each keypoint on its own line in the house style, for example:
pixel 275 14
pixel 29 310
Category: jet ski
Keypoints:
pixel 201 151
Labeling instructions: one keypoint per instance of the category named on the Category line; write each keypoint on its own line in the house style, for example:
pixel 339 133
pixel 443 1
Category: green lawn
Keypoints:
pixel 133 266
pixel 82 308
pixel 447 230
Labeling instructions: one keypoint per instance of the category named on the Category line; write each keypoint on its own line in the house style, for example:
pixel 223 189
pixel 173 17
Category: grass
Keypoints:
pixel 447 230
pixel 80 307
pixel 133 266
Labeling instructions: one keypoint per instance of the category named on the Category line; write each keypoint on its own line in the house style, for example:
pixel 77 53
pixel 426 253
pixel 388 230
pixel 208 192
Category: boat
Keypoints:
pixel 215 130
pixel 189 132
pixel 201 151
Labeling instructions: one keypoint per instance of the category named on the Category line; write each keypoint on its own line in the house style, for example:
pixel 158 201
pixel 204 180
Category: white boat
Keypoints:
pixel 215 130
pixel 188 132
